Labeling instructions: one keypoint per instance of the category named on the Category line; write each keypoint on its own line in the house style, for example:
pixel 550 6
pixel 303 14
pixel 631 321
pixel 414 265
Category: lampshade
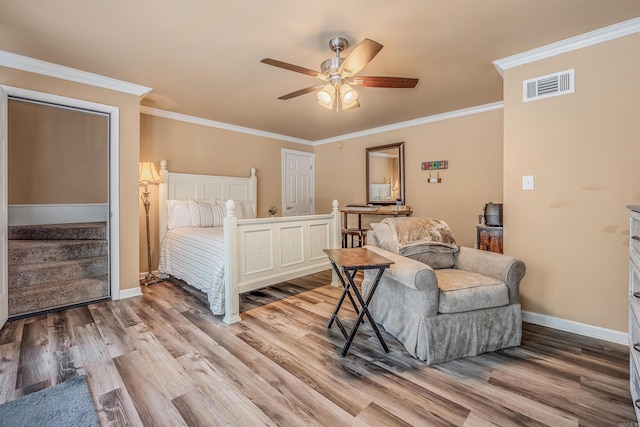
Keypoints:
pixel 148 174
pixel 326 96
pixel 354 104
pixel 347 94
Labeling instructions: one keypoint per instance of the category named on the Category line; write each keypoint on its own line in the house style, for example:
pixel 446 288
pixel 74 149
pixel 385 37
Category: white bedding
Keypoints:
pixel 196 255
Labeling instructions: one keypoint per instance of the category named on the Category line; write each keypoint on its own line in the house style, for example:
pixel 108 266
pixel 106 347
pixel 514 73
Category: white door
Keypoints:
pixel 297 183
pixel 4 257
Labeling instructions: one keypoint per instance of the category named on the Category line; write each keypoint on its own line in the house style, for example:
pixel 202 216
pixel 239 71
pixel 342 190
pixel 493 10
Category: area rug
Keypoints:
pixel 66 404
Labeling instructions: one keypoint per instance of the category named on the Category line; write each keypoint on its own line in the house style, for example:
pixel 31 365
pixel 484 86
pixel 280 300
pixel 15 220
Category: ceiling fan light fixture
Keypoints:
pixel 335 93
pixel 354 104
pixel 348 95
pixel 328 107
pixel 326 95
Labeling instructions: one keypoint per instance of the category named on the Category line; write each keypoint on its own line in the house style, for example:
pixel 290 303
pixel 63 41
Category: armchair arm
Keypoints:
pixel 408 272
pixel 409 283
pixel 502 267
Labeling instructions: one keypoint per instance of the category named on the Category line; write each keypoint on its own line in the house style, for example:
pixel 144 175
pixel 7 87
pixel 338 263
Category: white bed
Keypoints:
pixel 244 254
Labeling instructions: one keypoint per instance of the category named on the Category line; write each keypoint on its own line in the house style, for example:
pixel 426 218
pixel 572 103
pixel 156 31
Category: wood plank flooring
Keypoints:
pixel 163 359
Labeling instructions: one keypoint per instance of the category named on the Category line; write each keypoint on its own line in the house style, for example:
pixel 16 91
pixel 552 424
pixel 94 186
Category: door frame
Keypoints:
pixel 114 162
pixel 4 208
pixel 285 187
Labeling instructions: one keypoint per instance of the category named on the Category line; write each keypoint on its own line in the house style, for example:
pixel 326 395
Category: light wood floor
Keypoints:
pixel 162 359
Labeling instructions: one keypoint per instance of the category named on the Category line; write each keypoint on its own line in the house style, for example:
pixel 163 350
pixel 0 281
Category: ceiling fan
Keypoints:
pixel 341 73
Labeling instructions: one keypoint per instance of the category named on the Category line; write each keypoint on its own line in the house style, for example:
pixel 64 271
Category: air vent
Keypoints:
pixel 547 86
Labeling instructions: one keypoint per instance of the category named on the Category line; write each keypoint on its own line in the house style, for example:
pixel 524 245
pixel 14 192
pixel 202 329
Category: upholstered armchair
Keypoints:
pixel 444 304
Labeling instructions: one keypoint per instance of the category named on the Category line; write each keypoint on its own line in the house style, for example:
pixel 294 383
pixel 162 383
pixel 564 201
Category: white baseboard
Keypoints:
pixel 130 293
pixel 57 214
pixel 576 327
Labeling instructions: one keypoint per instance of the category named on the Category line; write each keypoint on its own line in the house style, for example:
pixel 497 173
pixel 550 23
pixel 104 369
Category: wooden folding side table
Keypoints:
pixel 352 260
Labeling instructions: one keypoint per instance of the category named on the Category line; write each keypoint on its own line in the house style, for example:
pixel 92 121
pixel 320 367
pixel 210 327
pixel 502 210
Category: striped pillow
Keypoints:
pixel 244 208
pixel 206 214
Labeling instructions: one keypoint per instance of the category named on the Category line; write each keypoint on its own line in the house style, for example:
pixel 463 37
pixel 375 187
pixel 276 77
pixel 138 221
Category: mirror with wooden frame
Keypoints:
pixel 385 174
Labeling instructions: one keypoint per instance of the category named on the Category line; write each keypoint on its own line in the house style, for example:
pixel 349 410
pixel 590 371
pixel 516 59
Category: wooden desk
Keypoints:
pixel 392 210
pixel 351 261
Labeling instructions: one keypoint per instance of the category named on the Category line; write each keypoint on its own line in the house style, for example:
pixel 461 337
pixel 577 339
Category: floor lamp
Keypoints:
pixel 148 176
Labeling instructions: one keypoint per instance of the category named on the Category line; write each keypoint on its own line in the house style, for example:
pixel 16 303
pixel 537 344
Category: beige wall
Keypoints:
pixel 584 150
pixel 191 148
pixel 56 155
pixel 472 145
pixel 129 106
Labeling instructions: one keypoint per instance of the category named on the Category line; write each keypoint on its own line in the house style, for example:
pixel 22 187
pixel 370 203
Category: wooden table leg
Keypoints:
pixel 364 310
pixel 345 292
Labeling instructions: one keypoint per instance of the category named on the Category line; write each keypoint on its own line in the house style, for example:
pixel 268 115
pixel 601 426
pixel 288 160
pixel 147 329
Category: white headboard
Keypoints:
pixel 183 186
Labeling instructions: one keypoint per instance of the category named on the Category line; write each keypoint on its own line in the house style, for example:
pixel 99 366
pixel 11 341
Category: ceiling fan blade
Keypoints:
pixel 360 56
pixel 295 68
pixel 301 92
pixel 382 81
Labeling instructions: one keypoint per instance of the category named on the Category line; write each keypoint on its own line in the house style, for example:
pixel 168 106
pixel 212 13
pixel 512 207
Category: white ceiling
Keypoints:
pixel 202 58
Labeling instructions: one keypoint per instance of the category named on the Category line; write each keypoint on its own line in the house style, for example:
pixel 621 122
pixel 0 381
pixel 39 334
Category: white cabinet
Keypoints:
pixel 634 306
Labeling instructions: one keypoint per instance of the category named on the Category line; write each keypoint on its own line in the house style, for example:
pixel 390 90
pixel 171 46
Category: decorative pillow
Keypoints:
pixel 384 235
pixel 244 208
pixel 248 209
pixel 206 214
pixel 178 214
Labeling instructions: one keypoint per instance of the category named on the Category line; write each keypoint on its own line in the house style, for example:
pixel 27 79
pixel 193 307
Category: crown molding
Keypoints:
pixel 220 125
pixel 584 40
pixel 401 125
pixel 415 122
pixel 32 65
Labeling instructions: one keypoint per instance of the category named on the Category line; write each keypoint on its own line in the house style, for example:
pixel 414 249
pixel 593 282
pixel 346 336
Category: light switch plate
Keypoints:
pixel 527 182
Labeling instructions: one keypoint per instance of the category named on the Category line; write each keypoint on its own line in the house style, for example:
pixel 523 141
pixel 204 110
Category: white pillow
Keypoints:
pixel 206 214
pixel 178 214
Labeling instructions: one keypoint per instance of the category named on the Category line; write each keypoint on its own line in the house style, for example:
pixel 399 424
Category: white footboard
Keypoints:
pixel 265 251
pixel 258 252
